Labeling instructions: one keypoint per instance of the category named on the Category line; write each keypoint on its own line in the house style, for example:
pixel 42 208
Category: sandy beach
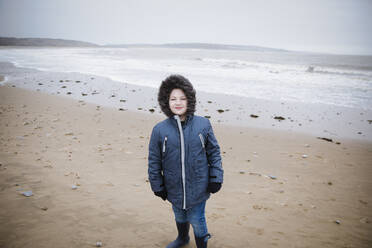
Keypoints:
pixel 320 120
pixel 86 165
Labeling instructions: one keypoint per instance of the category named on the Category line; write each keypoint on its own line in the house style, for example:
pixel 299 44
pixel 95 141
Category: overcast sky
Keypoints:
pixel 334 26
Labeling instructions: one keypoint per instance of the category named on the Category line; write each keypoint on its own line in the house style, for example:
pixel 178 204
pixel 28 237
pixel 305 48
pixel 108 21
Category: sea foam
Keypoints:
pixel 285 76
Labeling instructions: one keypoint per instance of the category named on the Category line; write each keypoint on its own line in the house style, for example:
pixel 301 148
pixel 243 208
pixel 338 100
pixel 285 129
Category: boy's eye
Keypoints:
pixel 175 99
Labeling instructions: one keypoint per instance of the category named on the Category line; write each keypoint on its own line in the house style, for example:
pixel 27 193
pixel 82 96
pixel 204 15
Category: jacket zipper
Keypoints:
pixel 165 143
pixel 182 159
pixel 202 140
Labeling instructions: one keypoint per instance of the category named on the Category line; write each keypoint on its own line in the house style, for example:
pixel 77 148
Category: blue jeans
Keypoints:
pixel 196 217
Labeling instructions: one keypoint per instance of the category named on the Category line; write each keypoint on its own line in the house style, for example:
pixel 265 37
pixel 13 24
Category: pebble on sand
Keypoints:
pixel 363 202
pixel 27 193
pixel 279 118
pixel 255 174
pixel 326 139
pixel 364 220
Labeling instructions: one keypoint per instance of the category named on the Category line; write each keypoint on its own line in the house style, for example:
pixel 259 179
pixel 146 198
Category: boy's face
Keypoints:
pixel 178 103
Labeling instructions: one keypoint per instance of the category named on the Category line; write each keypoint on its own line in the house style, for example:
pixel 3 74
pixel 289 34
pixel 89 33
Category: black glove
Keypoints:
pixel 213 187
pixel 162 194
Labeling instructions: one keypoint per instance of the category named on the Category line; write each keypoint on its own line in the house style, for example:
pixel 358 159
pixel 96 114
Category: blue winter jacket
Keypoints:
pixel 183 163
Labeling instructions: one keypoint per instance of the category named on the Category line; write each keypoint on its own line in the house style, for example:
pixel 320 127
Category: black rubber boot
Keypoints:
pixel 183 237
pixel 202 242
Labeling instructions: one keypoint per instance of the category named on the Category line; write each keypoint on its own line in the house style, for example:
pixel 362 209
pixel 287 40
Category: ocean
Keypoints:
pixel 340 80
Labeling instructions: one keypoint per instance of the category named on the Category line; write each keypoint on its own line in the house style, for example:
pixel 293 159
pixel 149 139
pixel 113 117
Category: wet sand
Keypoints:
pixel 86 165
pixel 328 121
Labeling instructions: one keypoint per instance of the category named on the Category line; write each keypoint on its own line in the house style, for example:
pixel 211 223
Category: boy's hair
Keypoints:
pixel 176 82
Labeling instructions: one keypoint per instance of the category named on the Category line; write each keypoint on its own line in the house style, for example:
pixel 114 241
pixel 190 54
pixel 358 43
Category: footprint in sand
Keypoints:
pixel 243 219
pixel 215 216
pixel 259 207
pixel 260 231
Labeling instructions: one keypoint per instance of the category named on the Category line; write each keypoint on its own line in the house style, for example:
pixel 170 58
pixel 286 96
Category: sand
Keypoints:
pixel 273 195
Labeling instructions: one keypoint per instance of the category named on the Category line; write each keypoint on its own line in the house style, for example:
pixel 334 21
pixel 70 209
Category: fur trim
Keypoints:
pixel 176 82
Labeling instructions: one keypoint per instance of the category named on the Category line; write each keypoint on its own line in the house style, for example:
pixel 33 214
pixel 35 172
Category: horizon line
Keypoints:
pixel 237 46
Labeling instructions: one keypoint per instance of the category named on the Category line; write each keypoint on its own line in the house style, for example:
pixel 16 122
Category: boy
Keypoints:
pixel 184 160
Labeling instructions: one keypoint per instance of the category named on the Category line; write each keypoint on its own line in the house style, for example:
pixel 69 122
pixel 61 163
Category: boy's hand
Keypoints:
pixel 214 187
pixel 162 194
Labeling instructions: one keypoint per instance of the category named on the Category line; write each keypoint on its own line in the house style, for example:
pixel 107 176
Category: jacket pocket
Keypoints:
pixel 164 144
pixel 202 140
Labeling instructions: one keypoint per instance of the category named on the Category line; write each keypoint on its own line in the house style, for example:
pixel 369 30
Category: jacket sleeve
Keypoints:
pixel 214 157
pixel 154 162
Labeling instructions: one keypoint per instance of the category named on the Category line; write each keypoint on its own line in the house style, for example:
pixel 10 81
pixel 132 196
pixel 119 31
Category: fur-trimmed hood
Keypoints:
pixel 176 82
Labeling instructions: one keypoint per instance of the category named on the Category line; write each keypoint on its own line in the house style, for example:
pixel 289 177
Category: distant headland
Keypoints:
pixel 43 42
pixel 47 42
